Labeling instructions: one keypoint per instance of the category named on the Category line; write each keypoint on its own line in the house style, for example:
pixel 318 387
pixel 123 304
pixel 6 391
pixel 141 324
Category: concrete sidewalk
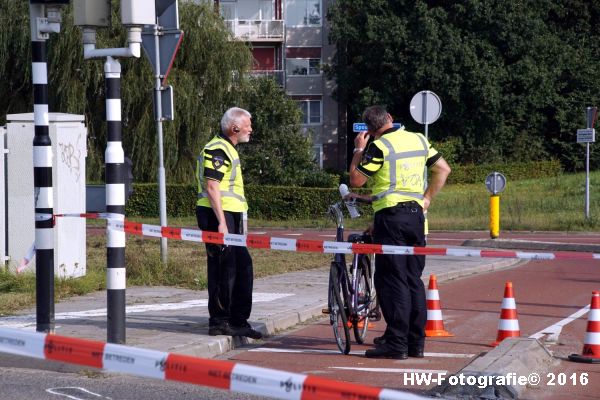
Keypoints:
pixel 176 320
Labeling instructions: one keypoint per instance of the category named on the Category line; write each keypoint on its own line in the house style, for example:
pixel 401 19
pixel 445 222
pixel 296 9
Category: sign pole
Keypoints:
pixel 162 188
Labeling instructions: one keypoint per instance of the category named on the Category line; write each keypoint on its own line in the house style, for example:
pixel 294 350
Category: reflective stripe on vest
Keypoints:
pixel 235 163
pixel 392 158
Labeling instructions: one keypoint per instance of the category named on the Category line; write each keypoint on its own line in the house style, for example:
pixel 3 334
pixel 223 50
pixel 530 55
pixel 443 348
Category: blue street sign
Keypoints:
pixel 362 127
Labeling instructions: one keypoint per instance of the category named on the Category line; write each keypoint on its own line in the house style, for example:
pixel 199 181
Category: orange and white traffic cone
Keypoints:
pixel 435 321
pixel 508 326
pixel 591 341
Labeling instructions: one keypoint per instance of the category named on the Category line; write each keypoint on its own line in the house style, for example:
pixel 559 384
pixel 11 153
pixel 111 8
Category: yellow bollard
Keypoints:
pixel 494 216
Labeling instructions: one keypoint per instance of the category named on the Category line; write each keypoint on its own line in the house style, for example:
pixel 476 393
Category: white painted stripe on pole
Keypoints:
pixel 592 338
pixel 44 238
pixel 337 247
pixel 115 238
pixel 40 115
pixel 42 156
pixel 508 303
pixel 115 278
pixel 115 194
pixel 113 75
pixel 30 319
pixel 556 329
pixel 191 235
pixel 433 294
pixel 463 252
pixel 114 153
pixel 131 360
pixel 508 325
pixel 434 315
pixel 266 382
pixel 40 73
pixel 400 250
pixel 388 394
pixel 22 343
pixel 151 230
pixel 44 198
pixel 283 244
pixel 113 110
pixel 234 239
pixel 393 370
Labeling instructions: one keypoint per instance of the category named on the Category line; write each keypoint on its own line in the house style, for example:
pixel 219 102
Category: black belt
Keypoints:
pixel 405 204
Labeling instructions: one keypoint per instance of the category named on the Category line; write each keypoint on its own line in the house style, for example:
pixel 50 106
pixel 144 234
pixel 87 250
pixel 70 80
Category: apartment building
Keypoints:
pixel 289 40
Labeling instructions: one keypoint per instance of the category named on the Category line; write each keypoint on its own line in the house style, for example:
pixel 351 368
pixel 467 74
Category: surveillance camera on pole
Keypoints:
pixel 90 15
pixel 93 14
pixel 44 19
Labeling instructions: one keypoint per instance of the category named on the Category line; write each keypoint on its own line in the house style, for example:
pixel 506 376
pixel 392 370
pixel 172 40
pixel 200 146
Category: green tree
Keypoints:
pixel 514 77
pixel 278 152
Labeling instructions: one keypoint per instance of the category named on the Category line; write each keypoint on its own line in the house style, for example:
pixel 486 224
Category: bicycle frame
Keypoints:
pixel 350 305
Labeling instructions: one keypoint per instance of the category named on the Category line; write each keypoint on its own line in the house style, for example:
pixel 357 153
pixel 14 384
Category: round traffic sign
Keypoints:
pixel 495 183
pixel 425 107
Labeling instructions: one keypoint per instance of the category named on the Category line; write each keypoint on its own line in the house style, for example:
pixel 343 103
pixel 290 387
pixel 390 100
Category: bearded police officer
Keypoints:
pixel 396 163
pixel 220 208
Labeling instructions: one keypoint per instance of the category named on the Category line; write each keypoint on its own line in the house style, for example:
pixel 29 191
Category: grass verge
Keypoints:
pixel 555 204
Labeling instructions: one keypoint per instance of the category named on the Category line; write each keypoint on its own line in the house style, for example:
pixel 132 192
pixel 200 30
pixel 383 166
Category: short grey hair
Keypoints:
pixel 375 117
pixel 233 116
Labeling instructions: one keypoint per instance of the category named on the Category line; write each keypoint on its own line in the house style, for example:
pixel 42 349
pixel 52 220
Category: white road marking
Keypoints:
pixel 394 370
pixel 328 236
pixel 292 234
pixel 258 233
pixel 354 353
pixel 54 391
pixel 29 321
pixel 553 331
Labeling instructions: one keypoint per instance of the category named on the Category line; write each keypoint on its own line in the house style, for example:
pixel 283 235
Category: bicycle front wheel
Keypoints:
pixel 338 319
pixel 363 298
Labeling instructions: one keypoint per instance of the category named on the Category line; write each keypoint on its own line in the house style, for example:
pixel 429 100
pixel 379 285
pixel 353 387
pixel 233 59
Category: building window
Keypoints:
pixel 318 154
pixel 311 111
pixel 228 10
pixel 303 66
pixel 303 13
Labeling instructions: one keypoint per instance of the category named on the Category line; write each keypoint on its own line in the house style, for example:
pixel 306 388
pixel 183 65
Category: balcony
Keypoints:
pixel 277 75
pixel 255 30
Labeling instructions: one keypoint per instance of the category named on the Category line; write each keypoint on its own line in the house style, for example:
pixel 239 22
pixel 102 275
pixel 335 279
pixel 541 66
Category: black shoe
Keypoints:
pixel 379 340
pixel 222 329
pixel 247 330
pixel 416 352
pixel 385 352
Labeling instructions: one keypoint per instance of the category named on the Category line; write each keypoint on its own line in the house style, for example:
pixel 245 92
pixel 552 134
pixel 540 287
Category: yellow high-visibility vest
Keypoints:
pixel 232 184
pixel 402 176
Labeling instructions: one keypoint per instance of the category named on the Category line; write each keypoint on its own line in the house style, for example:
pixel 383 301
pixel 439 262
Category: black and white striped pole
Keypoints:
pixel 91 15
pixel 115 204
pixel 41 27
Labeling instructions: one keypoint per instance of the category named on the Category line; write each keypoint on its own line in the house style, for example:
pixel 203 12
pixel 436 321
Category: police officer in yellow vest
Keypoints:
pixel 220 208
pixel 395 163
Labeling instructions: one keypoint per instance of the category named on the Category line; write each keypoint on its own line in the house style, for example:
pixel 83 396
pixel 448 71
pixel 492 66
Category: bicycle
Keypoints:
pixel 352 300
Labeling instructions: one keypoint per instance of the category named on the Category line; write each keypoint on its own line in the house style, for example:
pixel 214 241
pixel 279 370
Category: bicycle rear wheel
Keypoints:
pixel 364 292
pixel 337 316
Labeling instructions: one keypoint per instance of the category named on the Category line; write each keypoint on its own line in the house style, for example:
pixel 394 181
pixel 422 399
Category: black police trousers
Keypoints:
pixel 230 272
pixel 400 291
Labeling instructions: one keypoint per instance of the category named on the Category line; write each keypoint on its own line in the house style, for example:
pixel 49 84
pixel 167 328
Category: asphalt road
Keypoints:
pixel 545 292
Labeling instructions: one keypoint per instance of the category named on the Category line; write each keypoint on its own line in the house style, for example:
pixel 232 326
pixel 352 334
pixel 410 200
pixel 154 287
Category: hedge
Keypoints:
pixel 288 203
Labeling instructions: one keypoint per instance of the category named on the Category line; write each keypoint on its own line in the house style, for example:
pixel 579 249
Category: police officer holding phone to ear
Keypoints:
pixel 395 162
pixel 220 208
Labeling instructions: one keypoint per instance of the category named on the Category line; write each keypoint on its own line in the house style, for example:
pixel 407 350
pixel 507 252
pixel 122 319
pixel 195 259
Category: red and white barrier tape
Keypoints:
pixel 219 374
pixel 117 222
